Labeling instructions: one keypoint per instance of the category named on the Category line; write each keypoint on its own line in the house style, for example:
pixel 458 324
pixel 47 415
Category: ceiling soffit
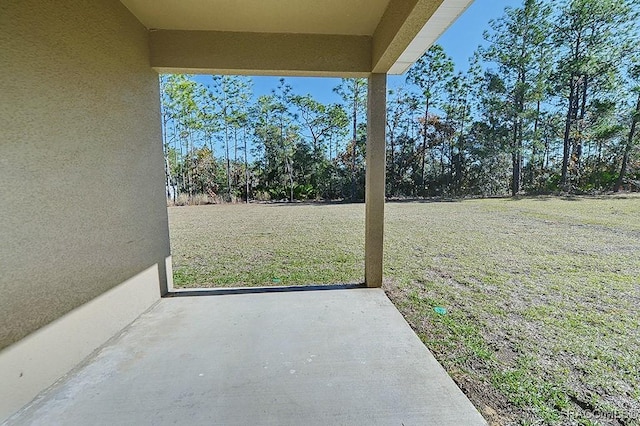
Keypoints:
pixel 344 17
pixel 292 37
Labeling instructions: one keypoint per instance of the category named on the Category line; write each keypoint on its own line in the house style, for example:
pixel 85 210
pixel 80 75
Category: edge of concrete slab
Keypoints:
pixel 221 291
pixel 365 351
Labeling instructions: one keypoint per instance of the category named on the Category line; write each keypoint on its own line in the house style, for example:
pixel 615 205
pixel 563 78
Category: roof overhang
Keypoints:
pixel 344 38
pixel 445 15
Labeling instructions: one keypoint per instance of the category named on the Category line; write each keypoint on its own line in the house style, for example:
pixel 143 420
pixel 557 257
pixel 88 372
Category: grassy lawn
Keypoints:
pixel 542 294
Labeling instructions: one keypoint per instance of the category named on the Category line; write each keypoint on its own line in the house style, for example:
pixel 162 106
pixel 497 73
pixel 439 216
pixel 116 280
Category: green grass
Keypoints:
pixel 266 244
pixel 542 294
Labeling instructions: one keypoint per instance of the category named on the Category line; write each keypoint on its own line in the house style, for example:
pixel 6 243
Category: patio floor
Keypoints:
pixel 324 357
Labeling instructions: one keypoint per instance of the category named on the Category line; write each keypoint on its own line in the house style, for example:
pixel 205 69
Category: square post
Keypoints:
pixel 375 179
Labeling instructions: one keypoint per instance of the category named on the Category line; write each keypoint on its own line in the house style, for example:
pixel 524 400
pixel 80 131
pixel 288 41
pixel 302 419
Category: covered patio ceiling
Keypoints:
pixel 292 37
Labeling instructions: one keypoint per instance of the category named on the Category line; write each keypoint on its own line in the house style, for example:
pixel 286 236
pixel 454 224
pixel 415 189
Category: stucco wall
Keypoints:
pixel 82 205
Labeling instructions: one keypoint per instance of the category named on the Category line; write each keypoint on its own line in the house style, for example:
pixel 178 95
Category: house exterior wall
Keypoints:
pixel 82 204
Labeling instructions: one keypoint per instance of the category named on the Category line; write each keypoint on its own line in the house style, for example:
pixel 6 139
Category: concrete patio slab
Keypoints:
pixel 331 357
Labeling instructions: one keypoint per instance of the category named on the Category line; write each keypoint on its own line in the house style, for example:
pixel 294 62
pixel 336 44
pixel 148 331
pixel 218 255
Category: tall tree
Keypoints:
pixel 321 123
pixel 353 92
pixel 591 37
pixel 515 42
pixel 167 114
pixel 430 74
pixel 631 140
pixel 457 115
pixel 240 121
pixel 400 109
pixel 227 87
pixel 288 133
pixel 182 99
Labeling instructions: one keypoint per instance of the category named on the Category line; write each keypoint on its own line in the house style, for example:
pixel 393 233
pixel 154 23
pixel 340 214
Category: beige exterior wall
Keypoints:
pixel 37 361
pixel 82 205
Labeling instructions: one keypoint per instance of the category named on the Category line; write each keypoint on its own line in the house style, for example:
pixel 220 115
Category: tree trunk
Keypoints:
pixel 515 175
pixel 442 174
pixel 424 145
pixel 572 116
pixel 235 144
pixel 228 160
pixel 165 149
pixel 331 147
pixel 461 148
pixel 355 135
pixel 627 148
pixel 578 144
pixel 189 174
pixel 246 163
pixel 392 177
pixel 516 153
pixel 290 170
pixel 566 149
pixel 534 148
pixel 547 152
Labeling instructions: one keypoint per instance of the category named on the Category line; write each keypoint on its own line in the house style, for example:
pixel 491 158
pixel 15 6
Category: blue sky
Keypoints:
pixel 459 41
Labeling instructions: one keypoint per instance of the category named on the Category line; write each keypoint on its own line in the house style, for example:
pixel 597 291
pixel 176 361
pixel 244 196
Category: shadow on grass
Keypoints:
pixel 322 203
pixel 429 200
pixel 546 197
pixel 319 203
pixel 573 197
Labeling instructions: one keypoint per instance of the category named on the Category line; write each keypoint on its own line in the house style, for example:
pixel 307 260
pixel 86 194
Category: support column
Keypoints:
pixel 375 179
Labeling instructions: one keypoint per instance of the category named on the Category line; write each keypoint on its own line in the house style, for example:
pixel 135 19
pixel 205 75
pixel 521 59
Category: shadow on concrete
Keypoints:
pixel 256 290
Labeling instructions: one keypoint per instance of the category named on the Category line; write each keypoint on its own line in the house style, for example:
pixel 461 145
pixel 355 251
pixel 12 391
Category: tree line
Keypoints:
pixel 549 103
